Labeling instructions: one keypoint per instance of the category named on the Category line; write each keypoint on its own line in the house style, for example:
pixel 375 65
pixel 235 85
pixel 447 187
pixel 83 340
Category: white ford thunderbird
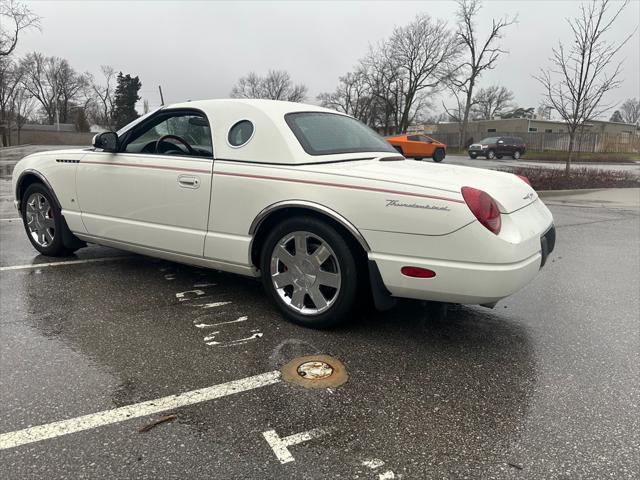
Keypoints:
pixel 310 200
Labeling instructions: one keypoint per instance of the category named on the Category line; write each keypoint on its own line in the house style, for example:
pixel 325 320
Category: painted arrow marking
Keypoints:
pixel 280 445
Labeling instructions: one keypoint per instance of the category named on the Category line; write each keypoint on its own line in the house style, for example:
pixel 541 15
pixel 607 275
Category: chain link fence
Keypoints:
pixel 591 142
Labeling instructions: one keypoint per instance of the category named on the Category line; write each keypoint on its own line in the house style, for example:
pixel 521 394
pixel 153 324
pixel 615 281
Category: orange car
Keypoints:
pixel 418 147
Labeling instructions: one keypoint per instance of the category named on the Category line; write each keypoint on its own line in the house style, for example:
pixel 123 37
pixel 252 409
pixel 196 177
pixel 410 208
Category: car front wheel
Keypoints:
pixel 491 154
pixel 473 155
pixel 438 155
pixel 516 155
pixel 310 272
pixel 43 221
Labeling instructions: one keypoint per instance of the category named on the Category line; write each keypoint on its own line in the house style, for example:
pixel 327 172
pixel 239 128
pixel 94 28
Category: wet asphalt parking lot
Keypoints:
pixel 543 386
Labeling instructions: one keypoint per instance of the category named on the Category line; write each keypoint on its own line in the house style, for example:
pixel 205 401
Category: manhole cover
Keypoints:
pixel 315 371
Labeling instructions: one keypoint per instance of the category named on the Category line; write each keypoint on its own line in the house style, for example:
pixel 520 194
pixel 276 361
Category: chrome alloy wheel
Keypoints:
pixel 305 272
pixel 39 215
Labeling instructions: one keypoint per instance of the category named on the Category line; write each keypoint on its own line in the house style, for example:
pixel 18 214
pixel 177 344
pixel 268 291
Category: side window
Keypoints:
pixel 240 133
pixel 414 138
pixel 186 134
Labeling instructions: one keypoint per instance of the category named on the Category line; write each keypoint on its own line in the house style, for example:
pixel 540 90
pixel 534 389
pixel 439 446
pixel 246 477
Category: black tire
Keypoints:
pixel 516 155
pixel 473 156
pixel 438 155
pixel 346 296
pixel 56 247
pixel 491 155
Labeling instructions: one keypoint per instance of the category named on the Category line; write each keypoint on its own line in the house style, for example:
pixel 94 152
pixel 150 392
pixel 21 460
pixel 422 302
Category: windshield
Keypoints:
pixel 322 133
pixel 489 140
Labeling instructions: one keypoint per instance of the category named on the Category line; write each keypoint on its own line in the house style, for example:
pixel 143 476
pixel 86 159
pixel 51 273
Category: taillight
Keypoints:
pixel 524 179
pixel 483 207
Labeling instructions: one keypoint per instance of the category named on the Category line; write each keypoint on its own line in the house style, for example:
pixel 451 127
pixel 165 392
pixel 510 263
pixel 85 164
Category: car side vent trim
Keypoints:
pixel 64 160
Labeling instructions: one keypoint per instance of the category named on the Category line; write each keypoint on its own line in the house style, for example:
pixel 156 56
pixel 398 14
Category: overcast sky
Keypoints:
pixel 199 49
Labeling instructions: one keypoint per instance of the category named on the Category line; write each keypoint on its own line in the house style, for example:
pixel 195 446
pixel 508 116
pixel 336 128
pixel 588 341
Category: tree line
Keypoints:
pixel 47 89
pixel 394 84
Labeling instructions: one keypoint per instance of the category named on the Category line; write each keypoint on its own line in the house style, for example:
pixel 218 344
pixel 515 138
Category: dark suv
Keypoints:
pixel 498 147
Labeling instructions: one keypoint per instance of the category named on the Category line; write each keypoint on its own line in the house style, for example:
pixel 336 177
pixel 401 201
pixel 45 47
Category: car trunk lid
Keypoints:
pixel 510 192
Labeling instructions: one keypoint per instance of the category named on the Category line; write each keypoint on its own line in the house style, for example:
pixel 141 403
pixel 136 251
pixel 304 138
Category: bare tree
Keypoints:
pixel 385 85
pixel 39 80
pixel 490 102
pixel 10 76
pixel 23 106
pixel 422 53
pixel 480 55
pixel 456 113
pixel 276 85
pixel 630 111
pixel 582 73
pixel 14 18
pixel 544 111
pixel 54 84
pixel 103 95
pixel 352 96
pixel 71 88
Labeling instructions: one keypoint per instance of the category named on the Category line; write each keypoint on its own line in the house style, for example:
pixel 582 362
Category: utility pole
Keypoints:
pixel 161 97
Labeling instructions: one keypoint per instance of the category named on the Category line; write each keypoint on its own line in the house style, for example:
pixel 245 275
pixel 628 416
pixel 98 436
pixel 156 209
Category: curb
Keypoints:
pixel 575 191
pixel 12 147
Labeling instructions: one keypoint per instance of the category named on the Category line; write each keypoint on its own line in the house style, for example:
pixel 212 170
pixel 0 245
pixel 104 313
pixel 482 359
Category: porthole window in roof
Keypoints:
pixel 240 133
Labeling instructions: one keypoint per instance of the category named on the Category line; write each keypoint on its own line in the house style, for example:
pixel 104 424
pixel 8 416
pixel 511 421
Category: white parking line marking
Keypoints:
pixel 182 296
pixel 17 219
pixel 209 325
pixel 212 305
pixel 107 417
pixel 388 475
pixel 57 264
pixel 279 445
pixel 240 319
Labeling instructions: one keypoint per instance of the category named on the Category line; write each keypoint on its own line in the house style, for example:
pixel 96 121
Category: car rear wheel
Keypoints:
pixel 473 155
pixel 516 155
pixel 491 154
pixel 438 155
pixel 309 271
pixel 43 221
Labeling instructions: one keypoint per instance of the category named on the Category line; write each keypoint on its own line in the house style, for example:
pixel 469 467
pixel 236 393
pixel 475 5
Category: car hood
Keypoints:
pixel 510 192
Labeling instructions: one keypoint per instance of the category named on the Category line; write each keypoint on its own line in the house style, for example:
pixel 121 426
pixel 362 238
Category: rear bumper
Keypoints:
pixel 472 266
pixel 456 282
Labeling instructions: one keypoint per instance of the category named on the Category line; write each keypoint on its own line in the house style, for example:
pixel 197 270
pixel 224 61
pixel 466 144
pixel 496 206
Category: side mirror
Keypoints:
pixel 107 141
pixel 500 142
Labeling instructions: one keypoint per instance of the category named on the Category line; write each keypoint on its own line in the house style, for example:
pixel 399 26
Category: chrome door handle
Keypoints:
pixel 188 181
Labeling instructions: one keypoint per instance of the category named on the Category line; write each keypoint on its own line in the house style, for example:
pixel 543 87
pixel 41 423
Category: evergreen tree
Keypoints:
pixel 616 117
pixel 126 96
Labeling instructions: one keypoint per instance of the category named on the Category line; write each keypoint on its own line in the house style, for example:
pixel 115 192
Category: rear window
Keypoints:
pixel 322 133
